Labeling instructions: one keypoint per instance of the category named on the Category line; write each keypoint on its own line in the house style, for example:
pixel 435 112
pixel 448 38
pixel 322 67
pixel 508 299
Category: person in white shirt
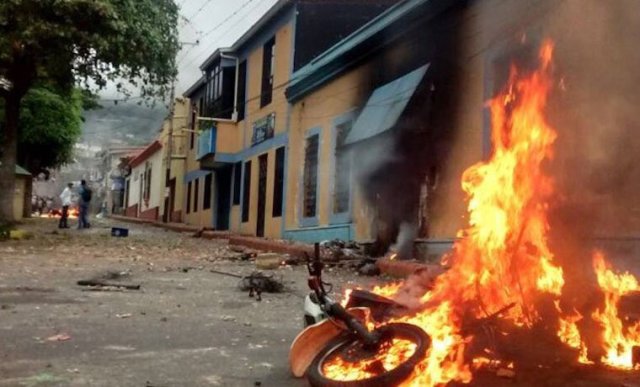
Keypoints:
pixel 66 196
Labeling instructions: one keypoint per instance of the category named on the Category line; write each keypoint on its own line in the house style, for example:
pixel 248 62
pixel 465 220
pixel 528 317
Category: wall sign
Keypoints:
pixel 263 129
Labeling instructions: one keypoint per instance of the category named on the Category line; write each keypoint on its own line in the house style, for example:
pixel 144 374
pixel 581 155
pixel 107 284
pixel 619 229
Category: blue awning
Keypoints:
pixel 385 106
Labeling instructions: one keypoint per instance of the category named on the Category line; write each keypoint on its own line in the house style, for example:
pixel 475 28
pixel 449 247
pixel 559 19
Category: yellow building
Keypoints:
pixel 235 164
pixel 177 128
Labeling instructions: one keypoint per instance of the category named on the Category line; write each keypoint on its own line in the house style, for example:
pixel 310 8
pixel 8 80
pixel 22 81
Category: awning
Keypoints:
pixel 385 106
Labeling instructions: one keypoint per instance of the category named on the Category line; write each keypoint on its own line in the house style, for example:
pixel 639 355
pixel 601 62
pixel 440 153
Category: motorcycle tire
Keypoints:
pixel 392 377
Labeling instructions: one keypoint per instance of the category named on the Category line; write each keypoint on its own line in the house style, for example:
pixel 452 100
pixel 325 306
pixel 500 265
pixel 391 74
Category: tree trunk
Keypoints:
pixel 8 157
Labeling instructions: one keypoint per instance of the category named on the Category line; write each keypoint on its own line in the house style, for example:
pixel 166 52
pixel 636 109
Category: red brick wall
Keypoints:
pixel 132 211
pixel 150 214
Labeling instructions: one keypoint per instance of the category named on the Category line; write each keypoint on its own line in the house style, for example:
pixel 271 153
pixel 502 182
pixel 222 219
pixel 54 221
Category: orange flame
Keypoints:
pixel 618 342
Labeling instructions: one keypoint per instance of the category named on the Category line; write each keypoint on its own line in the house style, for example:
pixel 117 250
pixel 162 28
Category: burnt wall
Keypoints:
pixel 420 143
pixel 321 24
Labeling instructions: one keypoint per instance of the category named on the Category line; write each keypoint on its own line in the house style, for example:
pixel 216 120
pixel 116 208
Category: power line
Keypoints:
pixel 205 34
pixel 201 8
pixel 227 18
pixel 214 42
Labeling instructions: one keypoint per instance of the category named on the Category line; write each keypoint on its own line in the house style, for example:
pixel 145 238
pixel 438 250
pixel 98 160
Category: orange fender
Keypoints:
pixel 308 344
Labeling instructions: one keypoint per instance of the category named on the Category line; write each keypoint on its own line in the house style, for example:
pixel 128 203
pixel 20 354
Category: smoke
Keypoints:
pixel 596 115
pixel 394 168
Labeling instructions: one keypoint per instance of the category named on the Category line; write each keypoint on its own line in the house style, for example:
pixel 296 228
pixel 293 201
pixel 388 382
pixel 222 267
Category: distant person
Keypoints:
pixel 66 198
pixel 85 199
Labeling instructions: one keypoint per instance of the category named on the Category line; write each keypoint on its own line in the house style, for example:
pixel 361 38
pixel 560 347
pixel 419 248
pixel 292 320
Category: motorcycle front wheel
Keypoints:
pixel 346 362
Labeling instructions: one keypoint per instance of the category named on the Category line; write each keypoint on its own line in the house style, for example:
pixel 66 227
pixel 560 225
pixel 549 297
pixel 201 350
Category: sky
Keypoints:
pixel 214 24
pixel 206 25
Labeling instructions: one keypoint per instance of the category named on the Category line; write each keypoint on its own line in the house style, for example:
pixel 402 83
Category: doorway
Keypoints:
pixel 223 198
pixel 263 162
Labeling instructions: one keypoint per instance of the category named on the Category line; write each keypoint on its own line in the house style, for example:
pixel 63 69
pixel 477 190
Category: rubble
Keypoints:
pixel 337 250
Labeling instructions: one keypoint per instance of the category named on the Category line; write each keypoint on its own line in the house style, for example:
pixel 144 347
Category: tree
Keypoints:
pixel 50 125
pixel 63 42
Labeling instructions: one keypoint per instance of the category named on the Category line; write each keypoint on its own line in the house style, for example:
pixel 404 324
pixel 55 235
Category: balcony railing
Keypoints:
pixel 207 142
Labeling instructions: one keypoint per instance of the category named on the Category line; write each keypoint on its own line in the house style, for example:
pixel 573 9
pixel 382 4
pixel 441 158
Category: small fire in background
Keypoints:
pixel 57 213
pixel 503 257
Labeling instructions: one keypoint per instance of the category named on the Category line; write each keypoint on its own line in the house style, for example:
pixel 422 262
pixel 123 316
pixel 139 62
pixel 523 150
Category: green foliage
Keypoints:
pixel 61 41
pixel 50 125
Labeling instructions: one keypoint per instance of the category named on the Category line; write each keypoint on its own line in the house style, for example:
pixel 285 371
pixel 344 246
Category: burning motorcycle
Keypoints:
pixel 337 337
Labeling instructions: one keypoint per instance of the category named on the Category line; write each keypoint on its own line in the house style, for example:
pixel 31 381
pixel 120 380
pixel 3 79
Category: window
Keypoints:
pixel 342 173
pixel 127 189
pixel 278 183
pixel 215 84
pixel 268 61
pixel 206 201
pixel 219 82
pixel 310 176
pixel 246 192
pixel 146 194
pixel 189 197
pixel 196 191
pixel 237 180
pixel 242 90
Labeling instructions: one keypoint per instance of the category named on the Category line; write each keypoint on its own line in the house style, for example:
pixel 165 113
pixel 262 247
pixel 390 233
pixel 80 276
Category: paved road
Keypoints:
pixel 186 327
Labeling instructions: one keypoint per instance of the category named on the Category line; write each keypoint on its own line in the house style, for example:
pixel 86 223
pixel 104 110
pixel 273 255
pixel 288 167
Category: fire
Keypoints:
pixel 503 257
pixel 619 342
pixel 73 214
pixel 569 333
pixel 388 357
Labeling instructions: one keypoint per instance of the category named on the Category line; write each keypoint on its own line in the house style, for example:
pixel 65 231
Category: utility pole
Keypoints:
pixel 167 184
pixel 169 195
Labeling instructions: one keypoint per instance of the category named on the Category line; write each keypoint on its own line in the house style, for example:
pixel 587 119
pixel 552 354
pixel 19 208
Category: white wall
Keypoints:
pixel 157 183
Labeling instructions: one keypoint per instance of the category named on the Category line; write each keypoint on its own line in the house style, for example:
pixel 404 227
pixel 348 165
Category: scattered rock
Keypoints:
pixel 269 261
pixel 124 315
pixel 59 337
pixel 227 318
pixel 237 249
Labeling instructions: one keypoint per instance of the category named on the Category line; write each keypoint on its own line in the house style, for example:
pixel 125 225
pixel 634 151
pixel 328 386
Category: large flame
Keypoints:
pixel 502 257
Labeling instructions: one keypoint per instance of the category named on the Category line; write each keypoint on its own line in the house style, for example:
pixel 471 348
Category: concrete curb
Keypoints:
pixel 393 268
pixel 282 247
pixel 267 245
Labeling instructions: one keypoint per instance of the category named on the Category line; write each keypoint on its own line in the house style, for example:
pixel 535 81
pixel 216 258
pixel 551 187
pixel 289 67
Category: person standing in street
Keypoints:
pixel 85 199
pixel 65 197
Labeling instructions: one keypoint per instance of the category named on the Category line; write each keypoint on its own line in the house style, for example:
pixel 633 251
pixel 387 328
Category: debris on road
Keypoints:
pixel 256 283
pixel 124 315
pixel 99 285
pixel 59 337
pixel 269 261
pixel 119 232
pixel 337 250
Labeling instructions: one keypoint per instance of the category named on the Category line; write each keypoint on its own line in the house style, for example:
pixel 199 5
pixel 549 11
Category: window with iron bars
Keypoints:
pixel 311 176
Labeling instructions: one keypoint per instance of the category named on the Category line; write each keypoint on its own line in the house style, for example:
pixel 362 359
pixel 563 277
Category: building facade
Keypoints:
pixel 240 114
pixel 143 187
pixel 363 129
